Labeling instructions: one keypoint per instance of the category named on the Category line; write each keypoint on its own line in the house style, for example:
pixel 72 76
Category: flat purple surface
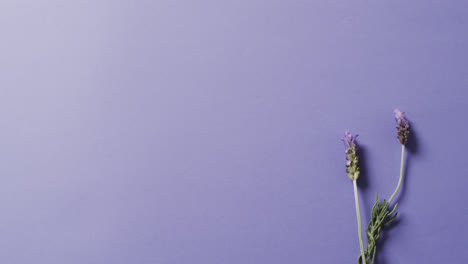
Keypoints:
pixel 207 132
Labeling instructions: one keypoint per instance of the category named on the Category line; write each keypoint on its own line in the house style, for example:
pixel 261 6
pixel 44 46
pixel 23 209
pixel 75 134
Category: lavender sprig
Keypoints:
pixel 402 135
pixel 352 168
pixel 380 215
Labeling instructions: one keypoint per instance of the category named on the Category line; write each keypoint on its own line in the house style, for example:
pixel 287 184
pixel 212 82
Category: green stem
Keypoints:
pixel 401 172
pixel 358 213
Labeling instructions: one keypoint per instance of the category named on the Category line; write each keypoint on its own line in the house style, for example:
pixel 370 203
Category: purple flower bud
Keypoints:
pixel 400 118
pixel 402 126
pixel 349 139
pixel 352 167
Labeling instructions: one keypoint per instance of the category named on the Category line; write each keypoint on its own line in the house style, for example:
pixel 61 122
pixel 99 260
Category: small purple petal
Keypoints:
pixel 400 118
pixel 349 139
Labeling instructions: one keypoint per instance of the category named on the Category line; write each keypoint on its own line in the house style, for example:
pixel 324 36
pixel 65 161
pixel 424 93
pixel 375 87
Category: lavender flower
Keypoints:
pixel 352 168
pixel 402 126
pixel 352 162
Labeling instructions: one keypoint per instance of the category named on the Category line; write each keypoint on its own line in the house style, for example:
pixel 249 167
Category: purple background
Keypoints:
pixel 203 132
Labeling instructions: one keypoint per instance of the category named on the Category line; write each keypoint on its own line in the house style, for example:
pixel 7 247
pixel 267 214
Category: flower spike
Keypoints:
pixel 352 161
pixel 402 126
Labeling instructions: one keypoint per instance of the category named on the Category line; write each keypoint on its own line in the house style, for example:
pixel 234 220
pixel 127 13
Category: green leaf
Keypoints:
pixel 380 217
